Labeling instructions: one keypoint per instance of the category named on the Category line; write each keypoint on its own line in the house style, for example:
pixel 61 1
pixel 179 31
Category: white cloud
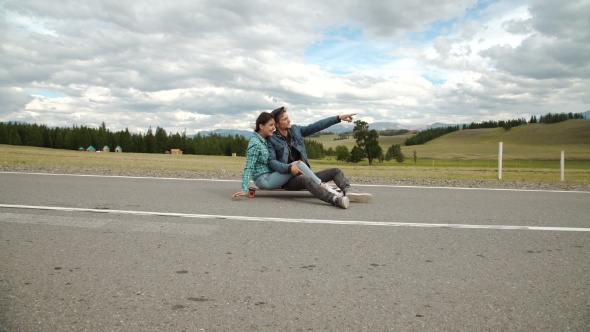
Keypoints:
pixel 205 64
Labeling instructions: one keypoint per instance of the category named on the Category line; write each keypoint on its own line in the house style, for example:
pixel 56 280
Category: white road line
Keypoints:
pixel 303 221
pixel 112 224
pixel 121 176
pixel 357 185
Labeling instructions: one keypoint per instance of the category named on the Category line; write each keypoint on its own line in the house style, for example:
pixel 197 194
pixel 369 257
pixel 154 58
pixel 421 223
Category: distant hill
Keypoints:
pixel 341 128
pixel 534 141
pixel 337 129
pixel 385 126
pixel 439 125
pixel 226 132
pixel 347 127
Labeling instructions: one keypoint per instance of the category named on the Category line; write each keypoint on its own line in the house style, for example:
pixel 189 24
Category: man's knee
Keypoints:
pixel 305 179
pixel 336 172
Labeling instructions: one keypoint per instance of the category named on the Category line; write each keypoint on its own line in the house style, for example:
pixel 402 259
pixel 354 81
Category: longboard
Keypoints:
pixel 252 190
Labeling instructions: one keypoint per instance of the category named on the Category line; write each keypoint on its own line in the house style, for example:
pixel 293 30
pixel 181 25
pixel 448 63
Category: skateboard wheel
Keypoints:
pixel 251 193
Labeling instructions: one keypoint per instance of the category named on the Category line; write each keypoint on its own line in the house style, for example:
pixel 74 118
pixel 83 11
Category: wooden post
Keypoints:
pixel 562 166
pixel 500 161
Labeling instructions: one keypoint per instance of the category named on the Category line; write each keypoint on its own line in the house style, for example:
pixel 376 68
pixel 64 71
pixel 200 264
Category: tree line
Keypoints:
pixel 76 137
pixel 367 146
pixel 429 134
pixel 496 124
pixel 432 133
pixel 555 118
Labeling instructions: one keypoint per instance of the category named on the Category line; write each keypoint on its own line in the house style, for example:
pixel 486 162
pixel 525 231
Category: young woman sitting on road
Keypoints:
pixel 257 168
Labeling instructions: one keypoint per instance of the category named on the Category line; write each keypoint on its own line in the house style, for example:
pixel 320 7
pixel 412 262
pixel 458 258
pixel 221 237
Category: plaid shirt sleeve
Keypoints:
pixel 253 168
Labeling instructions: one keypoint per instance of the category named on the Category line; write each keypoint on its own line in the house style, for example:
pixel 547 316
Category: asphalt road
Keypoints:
pixel 136 254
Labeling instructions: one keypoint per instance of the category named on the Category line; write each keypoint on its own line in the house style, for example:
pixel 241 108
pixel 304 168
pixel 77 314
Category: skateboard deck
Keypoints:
pixel 252 190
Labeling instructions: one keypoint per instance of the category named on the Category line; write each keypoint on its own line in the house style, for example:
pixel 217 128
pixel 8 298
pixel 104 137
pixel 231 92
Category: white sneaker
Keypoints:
pixel 355 195
pixel 341 201
pixel 333 191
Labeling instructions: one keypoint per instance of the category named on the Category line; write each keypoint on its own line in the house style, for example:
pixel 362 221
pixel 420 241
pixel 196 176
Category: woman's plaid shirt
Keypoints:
pixel 256 160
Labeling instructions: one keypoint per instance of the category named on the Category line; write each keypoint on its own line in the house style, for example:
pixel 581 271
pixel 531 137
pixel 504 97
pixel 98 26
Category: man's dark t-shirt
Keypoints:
pixel 294 154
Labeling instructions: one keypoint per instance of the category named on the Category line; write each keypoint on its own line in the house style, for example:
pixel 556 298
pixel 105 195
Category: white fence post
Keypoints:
pixel 562 166
pixel 500 161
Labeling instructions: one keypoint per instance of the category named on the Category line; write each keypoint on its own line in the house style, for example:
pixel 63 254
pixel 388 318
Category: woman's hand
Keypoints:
pixel 239 193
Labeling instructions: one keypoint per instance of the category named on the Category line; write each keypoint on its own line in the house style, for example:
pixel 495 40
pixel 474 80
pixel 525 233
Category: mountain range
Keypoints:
pixel 347 127
pixel 337 129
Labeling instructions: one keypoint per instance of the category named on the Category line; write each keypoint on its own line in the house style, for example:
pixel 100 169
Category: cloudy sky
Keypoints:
pixel 208 64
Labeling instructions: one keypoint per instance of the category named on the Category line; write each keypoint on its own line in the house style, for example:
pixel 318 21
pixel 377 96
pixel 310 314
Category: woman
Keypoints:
pixel 257 160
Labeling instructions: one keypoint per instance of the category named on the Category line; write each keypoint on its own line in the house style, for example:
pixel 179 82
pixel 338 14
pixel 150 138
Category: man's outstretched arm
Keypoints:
pixel 325 123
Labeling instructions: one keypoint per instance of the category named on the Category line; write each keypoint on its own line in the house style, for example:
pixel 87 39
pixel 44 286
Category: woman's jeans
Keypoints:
pixel 276 180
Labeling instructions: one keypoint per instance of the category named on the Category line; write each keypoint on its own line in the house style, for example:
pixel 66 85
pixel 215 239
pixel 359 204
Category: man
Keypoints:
pixel 286 146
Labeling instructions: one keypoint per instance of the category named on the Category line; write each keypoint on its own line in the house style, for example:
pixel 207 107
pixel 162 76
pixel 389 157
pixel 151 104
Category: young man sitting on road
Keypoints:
pixel 286 145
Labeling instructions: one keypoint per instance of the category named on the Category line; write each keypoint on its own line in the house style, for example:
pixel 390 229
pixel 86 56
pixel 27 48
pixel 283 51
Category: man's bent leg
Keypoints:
pixel 341 181
pixel 305 182
pixel 336 175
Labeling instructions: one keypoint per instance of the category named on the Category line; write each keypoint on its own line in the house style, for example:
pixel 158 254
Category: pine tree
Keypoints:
pixel 59 139
pixel 48 143
pixel 3 134
pixel 149 141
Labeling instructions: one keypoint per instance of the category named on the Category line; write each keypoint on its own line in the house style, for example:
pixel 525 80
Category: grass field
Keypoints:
pixel 384 141
pixel 531 153
pixel 534 141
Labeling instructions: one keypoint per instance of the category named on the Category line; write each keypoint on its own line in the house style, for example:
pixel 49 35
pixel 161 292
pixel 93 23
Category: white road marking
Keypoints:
pixel 303 221
pixel 356 185
pixel 111 224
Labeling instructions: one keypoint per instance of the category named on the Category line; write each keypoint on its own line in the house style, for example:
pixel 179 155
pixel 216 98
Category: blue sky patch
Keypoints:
pixel 437 28
pixel 46 93
pixel 434 80
pixel 345 48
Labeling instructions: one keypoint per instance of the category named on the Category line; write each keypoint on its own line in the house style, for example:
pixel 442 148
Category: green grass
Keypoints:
pixel 10 154
pixel 384 141
pixel 516 170
pixel 525 142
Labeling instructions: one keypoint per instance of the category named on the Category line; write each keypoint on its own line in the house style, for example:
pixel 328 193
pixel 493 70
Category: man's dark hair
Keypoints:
pixel 278 112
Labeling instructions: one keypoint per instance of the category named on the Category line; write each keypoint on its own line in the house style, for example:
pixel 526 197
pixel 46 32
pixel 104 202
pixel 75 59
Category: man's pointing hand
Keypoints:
pixel 346 117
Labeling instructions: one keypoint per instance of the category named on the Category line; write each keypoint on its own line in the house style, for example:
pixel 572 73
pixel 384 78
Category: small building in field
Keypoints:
pixel 175 151
pixel 91 149
pixel 106 149
pixel 81 149
pixel 119 149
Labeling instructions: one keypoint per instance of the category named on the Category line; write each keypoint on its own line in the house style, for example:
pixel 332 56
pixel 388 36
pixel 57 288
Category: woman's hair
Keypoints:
pixel 263 119
pixel 278 112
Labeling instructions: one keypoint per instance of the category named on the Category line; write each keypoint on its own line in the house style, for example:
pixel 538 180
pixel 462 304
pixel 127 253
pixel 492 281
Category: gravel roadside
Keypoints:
pixel 223 175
